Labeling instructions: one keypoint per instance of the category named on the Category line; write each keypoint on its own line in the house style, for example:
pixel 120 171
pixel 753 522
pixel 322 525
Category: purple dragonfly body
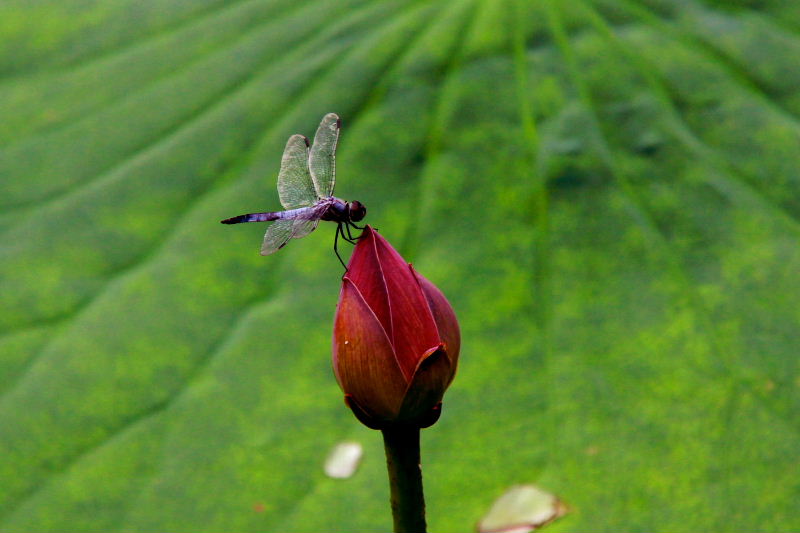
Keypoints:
pixel 305 187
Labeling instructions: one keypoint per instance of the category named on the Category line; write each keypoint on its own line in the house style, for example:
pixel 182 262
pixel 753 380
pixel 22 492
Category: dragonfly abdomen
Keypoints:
pixel 301 213
pixel 252 217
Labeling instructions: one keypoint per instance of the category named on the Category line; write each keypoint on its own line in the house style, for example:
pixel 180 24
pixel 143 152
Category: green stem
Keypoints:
pixel 405 478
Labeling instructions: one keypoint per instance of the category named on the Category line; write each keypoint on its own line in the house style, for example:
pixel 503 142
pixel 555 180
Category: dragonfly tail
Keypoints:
pixel 251 217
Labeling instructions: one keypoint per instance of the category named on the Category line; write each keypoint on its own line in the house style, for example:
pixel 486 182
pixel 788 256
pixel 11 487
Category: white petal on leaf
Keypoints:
pixel 343 460
pixel 520 509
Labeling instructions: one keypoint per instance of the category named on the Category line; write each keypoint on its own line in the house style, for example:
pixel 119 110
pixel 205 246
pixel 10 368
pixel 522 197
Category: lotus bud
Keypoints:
pixel 395 338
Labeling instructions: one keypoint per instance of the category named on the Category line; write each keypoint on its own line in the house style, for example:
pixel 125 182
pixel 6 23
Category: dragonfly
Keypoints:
pixel 305 188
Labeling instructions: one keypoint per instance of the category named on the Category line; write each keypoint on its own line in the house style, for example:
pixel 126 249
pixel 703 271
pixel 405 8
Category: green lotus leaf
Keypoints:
pixel 606 191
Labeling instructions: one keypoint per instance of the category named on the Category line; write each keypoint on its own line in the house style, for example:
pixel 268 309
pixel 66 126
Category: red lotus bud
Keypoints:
pixel 395 338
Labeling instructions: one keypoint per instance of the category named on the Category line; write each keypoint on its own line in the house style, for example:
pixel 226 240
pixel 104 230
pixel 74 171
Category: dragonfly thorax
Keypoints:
pixel 341 211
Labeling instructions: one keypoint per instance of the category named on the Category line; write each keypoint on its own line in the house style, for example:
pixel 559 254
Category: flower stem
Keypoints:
pixel 405 478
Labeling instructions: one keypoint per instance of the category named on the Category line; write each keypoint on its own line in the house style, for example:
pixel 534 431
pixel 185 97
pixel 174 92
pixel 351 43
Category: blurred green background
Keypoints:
pixel 607 191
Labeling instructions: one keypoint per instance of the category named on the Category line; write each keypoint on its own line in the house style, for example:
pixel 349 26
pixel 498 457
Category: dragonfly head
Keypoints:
pixel 356 210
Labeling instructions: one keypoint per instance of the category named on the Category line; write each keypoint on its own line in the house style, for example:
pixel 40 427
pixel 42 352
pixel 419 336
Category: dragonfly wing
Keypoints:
pixel 307 222
pixel 278 234
pixel 301 228
pixel 295 187
pixel 322 159
pixel 302 222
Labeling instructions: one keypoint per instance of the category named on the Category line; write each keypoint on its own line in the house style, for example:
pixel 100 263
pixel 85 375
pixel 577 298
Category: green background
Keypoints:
pixel 606 190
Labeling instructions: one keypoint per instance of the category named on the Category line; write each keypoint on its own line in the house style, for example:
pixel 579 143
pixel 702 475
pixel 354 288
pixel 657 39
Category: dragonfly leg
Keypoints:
pixel 350 235
pixel 336 244
pixel 348 238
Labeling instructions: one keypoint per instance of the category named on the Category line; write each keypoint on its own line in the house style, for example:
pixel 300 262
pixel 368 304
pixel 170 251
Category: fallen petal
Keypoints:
pixel 343 460
pixel 520 509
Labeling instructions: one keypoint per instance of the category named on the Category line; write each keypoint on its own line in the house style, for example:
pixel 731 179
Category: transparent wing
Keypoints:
pixel 301 224
pixel 322 159
pixel 278 234
pixel 301 228
pixel 295 187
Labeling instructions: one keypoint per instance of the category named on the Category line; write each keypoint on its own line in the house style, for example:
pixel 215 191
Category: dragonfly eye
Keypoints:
pixel 357 211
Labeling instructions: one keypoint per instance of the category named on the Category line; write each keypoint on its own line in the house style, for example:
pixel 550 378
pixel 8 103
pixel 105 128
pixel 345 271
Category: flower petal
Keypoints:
pixel 363 359
pixel 364 270
pixel 431 378
pixel 413 328
pixel 444 316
